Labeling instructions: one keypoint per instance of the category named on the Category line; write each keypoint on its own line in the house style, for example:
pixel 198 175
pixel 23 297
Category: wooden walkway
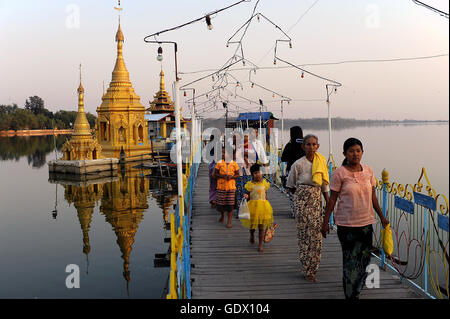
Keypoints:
pixel 225 265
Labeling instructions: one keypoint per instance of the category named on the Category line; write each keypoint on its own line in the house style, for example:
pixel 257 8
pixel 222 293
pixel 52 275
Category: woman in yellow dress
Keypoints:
pixel 261 213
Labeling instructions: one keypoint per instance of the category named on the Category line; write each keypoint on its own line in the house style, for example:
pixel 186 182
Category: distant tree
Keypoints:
pixel 36 116
pixel 5 120
pixel 35 104
pixel 8 109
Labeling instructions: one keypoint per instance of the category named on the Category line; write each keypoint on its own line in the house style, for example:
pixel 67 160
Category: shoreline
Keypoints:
pixel 12 133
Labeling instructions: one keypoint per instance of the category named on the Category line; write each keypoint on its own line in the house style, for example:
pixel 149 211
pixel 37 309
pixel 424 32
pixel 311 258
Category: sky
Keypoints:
pixel 43 43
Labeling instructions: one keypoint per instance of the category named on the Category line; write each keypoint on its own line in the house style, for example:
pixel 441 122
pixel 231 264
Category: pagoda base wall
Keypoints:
pixel 91 168
pixel 132 153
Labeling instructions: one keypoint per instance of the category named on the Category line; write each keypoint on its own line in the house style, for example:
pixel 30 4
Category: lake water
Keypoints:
pixel 112 229
pixel 400 149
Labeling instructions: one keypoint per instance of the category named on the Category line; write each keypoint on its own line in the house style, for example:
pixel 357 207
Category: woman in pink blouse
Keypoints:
pixel 354 184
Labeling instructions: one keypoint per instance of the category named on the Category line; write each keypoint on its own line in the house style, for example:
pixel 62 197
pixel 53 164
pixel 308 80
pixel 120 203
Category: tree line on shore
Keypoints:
pixel 35 116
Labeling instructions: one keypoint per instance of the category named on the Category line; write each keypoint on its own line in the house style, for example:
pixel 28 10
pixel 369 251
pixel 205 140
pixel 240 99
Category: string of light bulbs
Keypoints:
pixel 206 17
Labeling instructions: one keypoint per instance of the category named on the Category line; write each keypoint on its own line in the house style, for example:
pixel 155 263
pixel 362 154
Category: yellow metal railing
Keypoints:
pixel 180 266
pixel 419 221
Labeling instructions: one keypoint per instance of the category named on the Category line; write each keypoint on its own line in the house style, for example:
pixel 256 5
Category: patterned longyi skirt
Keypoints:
pixel 226 200
pixel 309 218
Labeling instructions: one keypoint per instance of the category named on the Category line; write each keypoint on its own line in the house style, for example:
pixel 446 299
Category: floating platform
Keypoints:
pixel 84 169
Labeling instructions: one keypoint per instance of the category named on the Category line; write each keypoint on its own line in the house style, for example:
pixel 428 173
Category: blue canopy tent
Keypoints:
pixel 254 116
pixel 253 119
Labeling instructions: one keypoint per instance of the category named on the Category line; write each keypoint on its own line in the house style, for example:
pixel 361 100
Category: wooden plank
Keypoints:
pixel 225 265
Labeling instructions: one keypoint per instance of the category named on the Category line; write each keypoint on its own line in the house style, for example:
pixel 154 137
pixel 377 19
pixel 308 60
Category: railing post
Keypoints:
pixel 281 173
pixel 330 171
pixel 385 178
pixel 425 227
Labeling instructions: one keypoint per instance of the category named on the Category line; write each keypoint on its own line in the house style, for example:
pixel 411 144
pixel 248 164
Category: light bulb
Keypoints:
pixel 274 61
pixel 303 75
pixel 159 57
pixel 290 44
pixel 184 93
pixel 208 22
pixel 258 17
pixel 253 85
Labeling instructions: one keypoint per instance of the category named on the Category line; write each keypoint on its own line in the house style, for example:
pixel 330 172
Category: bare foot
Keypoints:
pixel 221 220
pixel 260 249
pixel 252 239
pixel 229 226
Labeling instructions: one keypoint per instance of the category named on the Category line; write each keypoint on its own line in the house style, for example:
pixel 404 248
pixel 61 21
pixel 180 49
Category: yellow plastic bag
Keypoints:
pixel 387 241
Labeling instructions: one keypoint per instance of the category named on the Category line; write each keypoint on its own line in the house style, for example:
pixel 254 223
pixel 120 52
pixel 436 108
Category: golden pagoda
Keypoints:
pixel 123 204
pixel 164 106
pixel 82 145
pixel 121 122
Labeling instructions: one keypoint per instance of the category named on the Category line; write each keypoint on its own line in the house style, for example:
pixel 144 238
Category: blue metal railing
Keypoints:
pixel 180 233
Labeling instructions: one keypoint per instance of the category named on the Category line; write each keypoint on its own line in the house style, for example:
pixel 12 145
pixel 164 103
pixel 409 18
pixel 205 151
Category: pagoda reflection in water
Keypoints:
pixel 123 204
pixel 122 200
pixel 84 197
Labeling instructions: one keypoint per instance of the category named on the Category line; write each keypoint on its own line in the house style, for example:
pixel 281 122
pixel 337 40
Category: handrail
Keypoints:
pixel 180 262
pixel 419 218
pixel 419 224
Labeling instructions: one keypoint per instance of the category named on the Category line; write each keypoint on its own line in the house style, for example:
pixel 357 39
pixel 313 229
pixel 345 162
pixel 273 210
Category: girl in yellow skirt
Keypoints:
pixel 261 213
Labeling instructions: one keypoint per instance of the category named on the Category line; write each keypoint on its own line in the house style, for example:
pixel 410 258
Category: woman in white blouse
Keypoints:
pixel 303 181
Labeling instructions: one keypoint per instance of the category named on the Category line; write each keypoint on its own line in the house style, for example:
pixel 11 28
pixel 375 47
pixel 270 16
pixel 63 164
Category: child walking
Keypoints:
pixel 261 213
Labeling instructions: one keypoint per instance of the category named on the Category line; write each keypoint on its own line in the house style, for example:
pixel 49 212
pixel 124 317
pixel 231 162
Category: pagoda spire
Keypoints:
pixel 162 101
pixel 121 117
pixel 120 73
pixel 81 125
pixel 161 81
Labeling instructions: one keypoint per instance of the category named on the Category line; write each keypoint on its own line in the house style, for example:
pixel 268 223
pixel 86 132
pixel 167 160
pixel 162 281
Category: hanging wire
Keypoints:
pixel 290 29
pixel 264 88
pixel 195 20
pixel 333 82
pixel 223 74
pixel 441 13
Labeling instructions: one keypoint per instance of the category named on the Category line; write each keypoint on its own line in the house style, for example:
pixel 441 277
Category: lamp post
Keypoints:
pixel 282 123
pixel 225 106
pixel 193 123
pixel 177 123
pixel 330 148
pixel 260 110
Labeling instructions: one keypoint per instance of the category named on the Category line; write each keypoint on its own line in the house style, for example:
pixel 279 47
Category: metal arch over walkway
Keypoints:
pixel 225 265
